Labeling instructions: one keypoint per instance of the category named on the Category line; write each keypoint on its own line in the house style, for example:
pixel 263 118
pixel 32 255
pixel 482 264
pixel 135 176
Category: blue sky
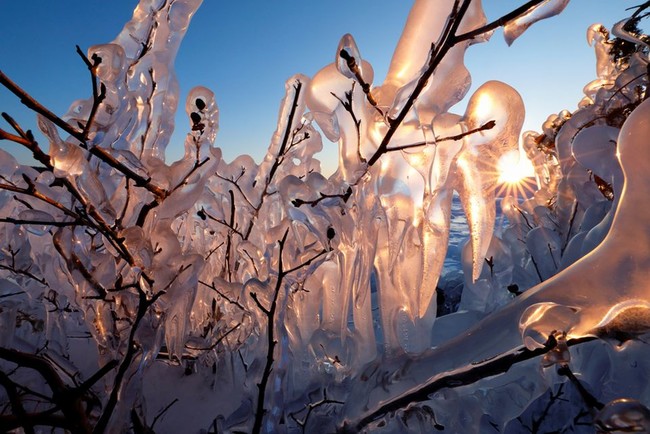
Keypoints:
pixel 244 51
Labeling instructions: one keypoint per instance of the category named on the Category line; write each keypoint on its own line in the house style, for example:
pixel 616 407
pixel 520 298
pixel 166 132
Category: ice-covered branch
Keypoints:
pixel 98 152
pixel 98 95
pixel 486 126
pixel 462 376
pixel 66 399
pixel 270 313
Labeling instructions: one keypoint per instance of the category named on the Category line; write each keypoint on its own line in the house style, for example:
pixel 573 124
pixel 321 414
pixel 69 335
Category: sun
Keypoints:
pixel 514 175
pixel 512 169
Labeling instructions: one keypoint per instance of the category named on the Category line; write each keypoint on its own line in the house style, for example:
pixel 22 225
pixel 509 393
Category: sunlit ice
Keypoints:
pixel 245 297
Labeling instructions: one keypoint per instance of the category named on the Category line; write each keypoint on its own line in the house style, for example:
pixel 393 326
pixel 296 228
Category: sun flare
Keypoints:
pixel 514 175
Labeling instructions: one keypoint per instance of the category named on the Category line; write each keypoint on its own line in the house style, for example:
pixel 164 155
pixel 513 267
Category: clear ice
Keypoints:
pixel 175 270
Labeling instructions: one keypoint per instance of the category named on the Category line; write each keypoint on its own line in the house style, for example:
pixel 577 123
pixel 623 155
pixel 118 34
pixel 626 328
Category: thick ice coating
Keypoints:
pixel 248 296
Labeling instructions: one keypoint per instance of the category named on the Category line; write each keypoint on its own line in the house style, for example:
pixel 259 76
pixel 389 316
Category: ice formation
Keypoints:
pixel 215 296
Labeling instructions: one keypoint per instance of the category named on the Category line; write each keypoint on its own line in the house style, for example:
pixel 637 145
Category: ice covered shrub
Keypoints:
pixel 204 295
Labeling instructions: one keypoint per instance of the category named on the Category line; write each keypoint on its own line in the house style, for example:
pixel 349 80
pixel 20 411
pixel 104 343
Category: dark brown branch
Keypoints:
pixel 587 397
pixel 197 165
pixel 23 272
pixel 26 139
pixel 537 422
pixel 34 105
pixel 99 223
pixel 259 304
pixel 161 413
pixel 448 39
pixel 139 181
pixel 287 132
pixel 270 328
pixel 98 97
pixel 98 152
pixel 365 86
pixel 132 349
pixel 344 196
pixel 4 135
pixel 437 54
pixel 307 262
pixel 347 105
pixel 74 263
pixel 144 212
pixel 486 126
pixel 278 159
pixel 213 346
pixel 38 154
pixel 237 186
pixel 310 408
pixel 31 191
pixel 224 296
pixel 16 403
pixel 11 121
pixel 260 411
pixel 230 225
pixel 55 223
pixel 574 213
pixel 505 19
pixel 86 385
pixel 61 395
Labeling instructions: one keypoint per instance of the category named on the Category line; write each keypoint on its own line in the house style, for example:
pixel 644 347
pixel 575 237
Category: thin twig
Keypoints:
pixel 162 412
pixel 310 408
pixel 98 96
pixel 278 159
pixel 16 403
pixel 219 340
pixel 98 152
pixel 486 126
pixel 499 22
pixel 343 196
pixel 260 411
pixel 224 296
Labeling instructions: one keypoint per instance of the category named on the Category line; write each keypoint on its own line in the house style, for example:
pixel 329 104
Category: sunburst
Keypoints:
pixel 515 177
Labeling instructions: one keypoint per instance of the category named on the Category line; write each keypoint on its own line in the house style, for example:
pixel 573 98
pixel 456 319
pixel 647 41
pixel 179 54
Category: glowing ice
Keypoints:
pixel 183 261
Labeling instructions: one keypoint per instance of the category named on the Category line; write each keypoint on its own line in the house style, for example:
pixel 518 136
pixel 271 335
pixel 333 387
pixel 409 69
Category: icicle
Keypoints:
pixel 546 9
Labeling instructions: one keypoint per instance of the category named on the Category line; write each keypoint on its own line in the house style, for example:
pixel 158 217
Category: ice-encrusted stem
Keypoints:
pixel 269 313
pixel 144 304
pixel 67 400
pixel 438 51
pixel 460 377
pixel 98 152
pixel 296 104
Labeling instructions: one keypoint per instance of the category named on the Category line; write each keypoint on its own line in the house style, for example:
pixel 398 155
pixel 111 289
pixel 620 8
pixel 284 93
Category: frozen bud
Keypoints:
pixel 560 354
pixel 348 58
pixel 622 416
pixel 203 111
pixel 541 320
